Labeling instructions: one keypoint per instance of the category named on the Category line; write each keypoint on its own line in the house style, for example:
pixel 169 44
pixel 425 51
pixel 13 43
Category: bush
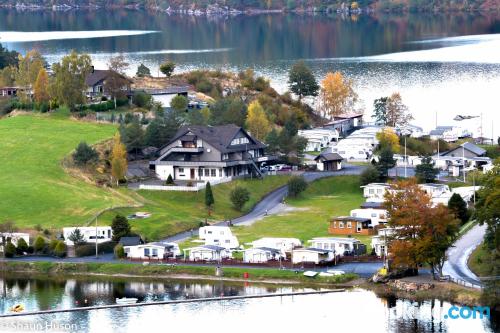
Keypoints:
pixel 22 246
pixel 30 250
pixel 369 175
pixel 167 68
pixel 119 251
pixel 39 244
pixel 103 106
pixel 53 244
pixel 296 185
pixel 204 86
pixel 169 181
pixel 88 249
pixel 142 100
pixel 46 232
pixel 10 250
pixel 239 196
pixel 179 103
pixel 84 154
pixel 60 249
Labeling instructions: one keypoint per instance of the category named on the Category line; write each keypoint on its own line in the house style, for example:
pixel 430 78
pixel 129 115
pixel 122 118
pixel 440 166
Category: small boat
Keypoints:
pixel 17 308
pixel 126 300
pixel 335 272
pixel 310 273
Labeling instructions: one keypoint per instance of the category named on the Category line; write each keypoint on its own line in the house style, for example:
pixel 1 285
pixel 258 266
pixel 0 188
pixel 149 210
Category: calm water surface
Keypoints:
pixel 444 64
pixel 355 310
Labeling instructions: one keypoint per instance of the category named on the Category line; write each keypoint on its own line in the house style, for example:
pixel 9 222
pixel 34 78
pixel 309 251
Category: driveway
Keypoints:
pixel 270 202
pixel 456 265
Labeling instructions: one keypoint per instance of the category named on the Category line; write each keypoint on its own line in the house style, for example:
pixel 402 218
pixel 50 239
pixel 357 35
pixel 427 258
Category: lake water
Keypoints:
pixel 444 64
pixel 354 311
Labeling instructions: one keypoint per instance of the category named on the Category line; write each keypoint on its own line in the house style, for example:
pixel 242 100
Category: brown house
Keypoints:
pixel 348 225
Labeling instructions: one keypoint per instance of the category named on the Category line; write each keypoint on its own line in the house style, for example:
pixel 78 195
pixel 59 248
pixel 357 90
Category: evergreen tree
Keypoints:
pixel 84 154
pixel 380 110
pixel 459 207
pixel 22 246
pixel 296 185
pixel 425 171
pixel 143 71
pixel 133 136
pixel 385 163
pixel 10 250
pixel 77 237
pixel 301 81
pixel 209 196
pixel 239 196
pixel 369 175
pixel 273 142
pixel 120 226
pixel 39 244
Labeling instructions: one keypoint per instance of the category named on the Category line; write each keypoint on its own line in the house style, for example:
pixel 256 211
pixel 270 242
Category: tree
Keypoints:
pixel 209 197
pixel 425 171
pixel 68 83
pixel 120 226
pixel 142 100
pixel 22 246
pixel 239 196
pixel 60 249
pixel 385 162
pixel 272 141
pixel 8 58
pixel 40 89
pixel 369 175
pixel 77 237
pixel 228 110
pixel 459 207
pixel 301 81
pixel 397 113
pixel 179 103
pixel 10 250
pixel 133 136
pixel 388 139
pixel 8 76
pixel 337 95
pixel 296 185
pixel 422 232
pixel 116 79
pixel 199 117
pixel 143 71
pixel 488 208
pixel 119 251
pixel 28 69
pixel 380 110
pixel 257 122
pixel 167 68
pixel 39 244
pixel 118 159
pixel 84 154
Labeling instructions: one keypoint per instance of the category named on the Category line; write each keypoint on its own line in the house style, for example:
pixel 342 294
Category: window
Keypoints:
pixel 225 156
pixel 371 191
pixel 379 190
pixel 155 252
pixel 349 225
pixel 334 225
pixel 354 214
pixel 207 172
pixel 341 225
pixel 220 172
pixel 181 170
pixel 210 232
pixel 374 214
pixel 228 241
pixel 213 172
pixel 146 252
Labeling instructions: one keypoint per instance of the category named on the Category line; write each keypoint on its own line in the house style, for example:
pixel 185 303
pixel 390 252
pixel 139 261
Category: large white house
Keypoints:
pixel 375 190
pixel 219 236
pixel 157 250
pixel 284 245
pixel 209 252
pixel 376 216
pixel 104 234
pixel 311 254
pixel 209 153
pixel 341 246
pixel 261 254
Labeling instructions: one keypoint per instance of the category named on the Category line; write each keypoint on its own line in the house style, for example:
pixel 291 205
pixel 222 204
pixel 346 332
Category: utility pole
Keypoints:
pixel 406 160
pixel 96 247
pixel 463 160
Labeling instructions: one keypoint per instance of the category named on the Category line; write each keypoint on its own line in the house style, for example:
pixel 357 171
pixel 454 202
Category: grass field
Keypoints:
pixel 34 189
pixel 481 261
pixel 174 212
pixel 322 200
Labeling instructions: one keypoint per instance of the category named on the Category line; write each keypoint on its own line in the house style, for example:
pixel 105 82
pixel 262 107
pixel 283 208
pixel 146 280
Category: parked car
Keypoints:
pixel 286 168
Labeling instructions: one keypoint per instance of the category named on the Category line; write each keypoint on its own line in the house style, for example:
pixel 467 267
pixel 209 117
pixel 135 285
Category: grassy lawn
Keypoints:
pixel 322 200
pixel 481 261
pixel 173 212
pixel 34 189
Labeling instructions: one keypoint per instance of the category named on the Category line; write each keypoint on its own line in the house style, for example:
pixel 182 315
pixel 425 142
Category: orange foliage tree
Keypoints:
pixel 337 95
pixel 422 232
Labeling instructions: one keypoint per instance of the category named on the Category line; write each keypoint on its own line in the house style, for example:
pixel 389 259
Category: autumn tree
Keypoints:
pixel 118 159
pixel 337 95
pixel 388 139
pixel 422 232
pixel 40 89
pixel 8 76
pixel 257 122
pixel 28 69
pixel 397 113
pixel 68 84
pixel 301 80
pixel 116 80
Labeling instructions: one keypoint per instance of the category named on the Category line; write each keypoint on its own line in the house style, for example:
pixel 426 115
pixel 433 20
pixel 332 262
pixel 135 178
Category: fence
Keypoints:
pixel 461 282
pixel 195 188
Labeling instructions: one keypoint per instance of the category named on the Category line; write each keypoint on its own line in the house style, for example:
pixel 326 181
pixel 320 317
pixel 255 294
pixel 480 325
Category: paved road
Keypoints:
pixel 271 201
pixel 456 265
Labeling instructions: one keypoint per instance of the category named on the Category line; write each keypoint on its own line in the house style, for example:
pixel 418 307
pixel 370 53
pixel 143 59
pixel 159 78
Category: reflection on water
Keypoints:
pixel 449 64
pixel 351 311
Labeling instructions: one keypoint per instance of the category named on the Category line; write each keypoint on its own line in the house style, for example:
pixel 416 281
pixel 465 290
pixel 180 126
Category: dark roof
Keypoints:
pixel 351 218
pixel 467 146
pixel 98 75
pixel 219 137
pixel 130 241
pixel 348 116
pixel 372 205
pixel 268 249
pixel 329 157
pixel 313 249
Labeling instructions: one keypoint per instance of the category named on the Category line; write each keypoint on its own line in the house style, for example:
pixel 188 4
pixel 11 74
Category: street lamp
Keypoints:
pixel 405 132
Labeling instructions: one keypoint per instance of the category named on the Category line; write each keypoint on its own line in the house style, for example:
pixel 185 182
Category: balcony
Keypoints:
pixel 191 150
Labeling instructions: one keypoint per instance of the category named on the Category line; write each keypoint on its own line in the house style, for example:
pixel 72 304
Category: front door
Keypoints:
pixel 192 173
pixel 358 227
